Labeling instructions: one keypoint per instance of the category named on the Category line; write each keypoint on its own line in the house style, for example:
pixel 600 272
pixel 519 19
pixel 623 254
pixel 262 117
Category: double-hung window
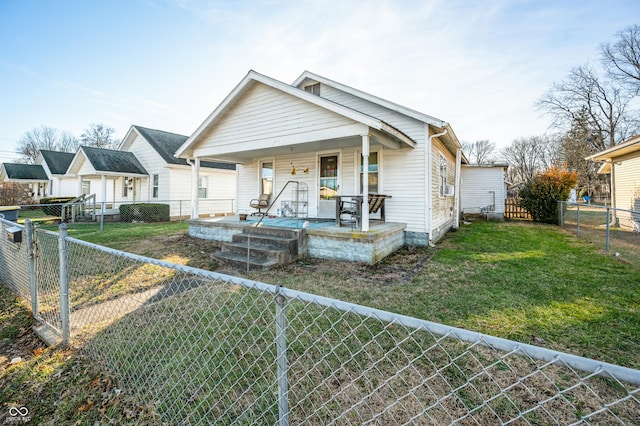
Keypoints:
pixel 443 175
pixel 156 185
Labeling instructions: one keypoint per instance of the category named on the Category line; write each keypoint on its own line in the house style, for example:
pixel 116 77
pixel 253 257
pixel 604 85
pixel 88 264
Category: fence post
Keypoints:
pixel 31 259
pixel 180 209
pixel 103 208
pixel 578 221
pixel 561 213
pixel 281 359
pixel 64 283
pixel 606 244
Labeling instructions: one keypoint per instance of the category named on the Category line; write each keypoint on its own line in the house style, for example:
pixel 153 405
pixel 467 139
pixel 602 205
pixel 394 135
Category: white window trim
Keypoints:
pixel 358 163
pixel 271 160
pixel 442 183
pixel 154 186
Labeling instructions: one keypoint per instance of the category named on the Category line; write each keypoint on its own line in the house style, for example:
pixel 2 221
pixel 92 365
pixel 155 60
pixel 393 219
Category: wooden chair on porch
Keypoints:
pixel 349 208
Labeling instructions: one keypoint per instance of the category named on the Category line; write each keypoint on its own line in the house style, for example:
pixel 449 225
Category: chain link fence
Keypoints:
pixel 201 347
pixel 616 231
pixel 131 212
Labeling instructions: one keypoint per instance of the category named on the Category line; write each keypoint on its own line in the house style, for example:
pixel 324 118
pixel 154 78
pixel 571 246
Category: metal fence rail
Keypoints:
pixel 203 348
pixel 616 231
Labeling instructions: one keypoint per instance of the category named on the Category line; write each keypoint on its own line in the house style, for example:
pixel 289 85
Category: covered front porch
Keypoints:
pixel 318 238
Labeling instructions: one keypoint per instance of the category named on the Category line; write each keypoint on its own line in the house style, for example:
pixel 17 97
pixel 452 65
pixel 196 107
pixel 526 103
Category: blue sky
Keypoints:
pixel 166 64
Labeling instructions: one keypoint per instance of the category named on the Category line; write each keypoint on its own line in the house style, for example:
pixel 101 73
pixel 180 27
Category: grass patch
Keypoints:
pixel 120 235
pixel 57 385
pixel 521 281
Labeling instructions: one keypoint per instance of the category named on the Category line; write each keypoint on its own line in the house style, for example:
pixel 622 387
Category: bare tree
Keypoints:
pixel 36 139
pixel 605 104
pixel 527 156
pixel 479 152
pixel 621 59
pixel 99 136
pixel 68 142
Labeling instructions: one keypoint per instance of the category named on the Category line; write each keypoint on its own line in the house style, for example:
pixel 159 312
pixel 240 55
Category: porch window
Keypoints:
pixel 266 177
pixel 86 187
pixel 314 89
pixel 443 175
pixel 125 187
pixel 156 185
pixel 202 187
pixel 373 173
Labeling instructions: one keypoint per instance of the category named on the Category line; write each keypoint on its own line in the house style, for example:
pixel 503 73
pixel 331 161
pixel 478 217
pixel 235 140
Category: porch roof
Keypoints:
pixel 380 132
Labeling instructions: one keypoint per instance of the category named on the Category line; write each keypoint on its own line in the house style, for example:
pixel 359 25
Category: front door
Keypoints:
pixel 328 186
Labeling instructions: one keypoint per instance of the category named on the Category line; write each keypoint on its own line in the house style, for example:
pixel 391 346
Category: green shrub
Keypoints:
pixel 541 194
pixel 56 208
pixel 144 213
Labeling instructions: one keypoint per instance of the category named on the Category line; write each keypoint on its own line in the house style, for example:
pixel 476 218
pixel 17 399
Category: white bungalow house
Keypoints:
pixel 483 189
pixel 324 134
pixel 144 169
pixel 55 165
pixel 33 176
pixel 622 162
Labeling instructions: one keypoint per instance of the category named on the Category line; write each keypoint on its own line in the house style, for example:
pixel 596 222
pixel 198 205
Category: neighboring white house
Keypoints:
pixel 170 177
pixel 622 162
pixel 55 165
pixel 32 175
pixel 325 134
pixel 483 189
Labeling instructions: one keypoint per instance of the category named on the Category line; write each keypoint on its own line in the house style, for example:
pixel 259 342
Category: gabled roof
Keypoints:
pixel 24 172
pixel 167 143
pixel 252 77
pixel 110 161
pixel 57 162
pixel 449 139
pixel 307 76
pixel 629 146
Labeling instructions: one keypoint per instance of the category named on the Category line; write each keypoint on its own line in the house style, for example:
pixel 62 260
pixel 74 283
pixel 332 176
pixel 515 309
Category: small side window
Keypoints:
pixel 314 89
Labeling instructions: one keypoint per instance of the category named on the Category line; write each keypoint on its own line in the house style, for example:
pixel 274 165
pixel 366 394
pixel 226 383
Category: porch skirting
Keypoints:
pixel 328 242
pixel 355 246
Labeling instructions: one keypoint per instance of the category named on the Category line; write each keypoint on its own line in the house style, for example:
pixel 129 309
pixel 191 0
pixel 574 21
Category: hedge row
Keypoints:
pixel 144 213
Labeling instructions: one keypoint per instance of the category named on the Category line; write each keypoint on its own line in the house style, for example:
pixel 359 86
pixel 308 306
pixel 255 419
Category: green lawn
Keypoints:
pixel 515 280
pixel 512 280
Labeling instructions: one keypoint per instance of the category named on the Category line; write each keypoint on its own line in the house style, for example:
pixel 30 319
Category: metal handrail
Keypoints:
pixel 257 224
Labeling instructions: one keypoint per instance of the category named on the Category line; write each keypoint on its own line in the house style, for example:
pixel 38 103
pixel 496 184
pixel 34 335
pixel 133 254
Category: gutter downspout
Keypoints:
pixel 429 187
pixel 456 200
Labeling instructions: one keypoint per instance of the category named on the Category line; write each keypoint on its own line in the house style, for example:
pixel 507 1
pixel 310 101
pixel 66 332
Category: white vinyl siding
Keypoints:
pixel 267 116
pixel 476 187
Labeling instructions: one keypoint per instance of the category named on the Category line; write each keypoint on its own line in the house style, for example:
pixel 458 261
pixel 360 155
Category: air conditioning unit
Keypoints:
pixel 448 190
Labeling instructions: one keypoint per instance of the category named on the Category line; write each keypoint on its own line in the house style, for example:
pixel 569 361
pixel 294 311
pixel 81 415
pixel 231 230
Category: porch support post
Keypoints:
pixel 195 173
pixel 103 181
pixel 456 200
pixel 365 183
pixel 79 186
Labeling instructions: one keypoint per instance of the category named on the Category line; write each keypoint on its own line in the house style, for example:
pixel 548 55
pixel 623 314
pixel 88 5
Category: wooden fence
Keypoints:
pixel 513 211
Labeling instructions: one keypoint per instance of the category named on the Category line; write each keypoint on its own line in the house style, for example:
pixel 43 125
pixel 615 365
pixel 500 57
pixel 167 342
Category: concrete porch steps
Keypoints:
pixel 267 247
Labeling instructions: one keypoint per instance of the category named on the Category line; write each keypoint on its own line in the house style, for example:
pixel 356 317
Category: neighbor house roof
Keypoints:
pixel 166 144
pixel 629 146
pixel 57 162
pixel 109 161
pixel 23 172
pixel 252 77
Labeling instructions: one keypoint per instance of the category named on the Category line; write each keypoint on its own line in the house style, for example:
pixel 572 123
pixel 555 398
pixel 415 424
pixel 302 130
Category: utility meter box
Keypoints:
pixel 14 234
